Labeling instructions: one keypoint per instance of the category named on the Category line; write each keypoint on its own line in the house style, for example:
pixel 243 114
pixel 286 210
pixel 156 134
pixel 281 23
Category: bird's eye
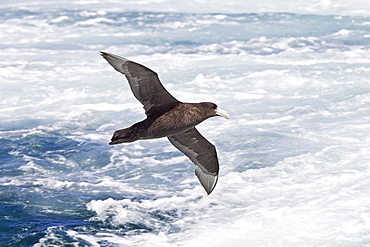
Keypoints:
pixel 214 106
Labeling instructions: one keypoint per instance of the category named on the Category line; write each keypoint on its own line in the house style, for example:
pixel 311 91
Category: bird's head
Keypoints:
pixel 213 110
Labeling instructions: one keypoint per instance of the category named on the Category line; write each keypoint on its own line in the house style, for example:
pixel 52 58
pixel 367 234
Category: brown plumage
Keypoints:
pixel 168 117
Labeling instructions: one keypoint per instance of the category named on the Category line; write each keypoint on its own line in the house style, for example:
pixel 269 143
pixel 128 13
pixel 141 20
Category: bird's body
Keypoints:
pixel 171 122
pixel 168 117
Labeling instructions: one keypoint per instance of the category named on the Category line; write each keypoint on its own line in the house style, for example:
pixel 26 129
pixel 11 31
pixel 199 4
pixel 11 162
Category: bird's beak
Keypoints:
pixel 222 113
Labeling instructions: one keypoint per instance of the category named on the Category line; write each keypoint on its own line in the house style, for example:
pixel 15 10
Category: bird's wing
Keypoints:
pixel 202 153
pixel 145 85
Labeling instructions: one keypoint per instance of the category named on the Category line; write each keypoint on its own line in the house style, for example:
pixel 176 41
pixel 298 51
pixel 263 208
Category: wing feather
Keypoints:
pixel 202 153
pixel 144 84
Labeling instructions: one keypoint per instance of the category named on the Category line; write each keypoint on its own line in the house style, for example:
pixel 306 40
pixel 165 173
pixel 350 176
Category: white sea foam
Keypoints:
pixel 340 7
pixel 293 203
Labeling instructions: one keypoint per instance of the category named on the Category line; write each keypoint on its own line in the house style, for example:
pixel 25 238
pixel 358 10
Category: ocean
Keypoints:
pixel 294 156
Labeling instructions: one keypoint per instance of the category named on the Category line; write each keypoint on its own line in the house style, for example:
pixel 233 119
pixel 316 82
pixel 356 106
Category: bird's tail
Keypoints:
pixel 121 136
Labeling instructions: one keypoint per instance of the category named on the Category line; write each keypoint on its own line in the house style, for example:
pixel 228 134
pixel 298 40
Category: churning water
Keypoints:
pixel 294 157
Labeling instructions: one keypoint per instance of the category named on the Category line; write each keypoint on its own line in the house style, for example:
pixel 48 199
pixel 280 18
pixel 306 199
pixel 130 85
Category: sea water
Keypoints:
pixel 294 157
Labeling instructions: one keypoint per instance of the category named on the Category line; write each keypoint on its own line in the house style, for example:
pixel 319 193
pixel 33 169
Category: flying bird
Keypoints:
pixel 168 117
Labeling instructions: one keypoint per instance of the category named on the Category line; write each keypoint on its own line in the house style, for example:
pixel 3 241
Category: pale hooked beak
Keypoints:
pixel 222 113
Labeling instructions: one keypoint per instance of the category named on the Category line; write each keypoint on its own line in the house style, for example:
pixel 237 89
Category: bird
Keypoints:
pixel 168 117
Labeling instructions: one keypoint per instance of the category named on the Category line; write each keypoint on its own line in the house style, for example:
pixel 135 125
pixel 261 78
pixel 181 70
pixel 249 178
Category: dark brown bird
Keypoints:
pixel 168 117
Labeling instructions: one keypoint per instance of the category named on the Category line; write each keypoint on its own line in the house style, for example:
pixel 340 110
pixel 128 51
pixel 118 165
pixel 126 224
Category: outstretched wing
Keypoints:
pixel 202 153
pixel 145 85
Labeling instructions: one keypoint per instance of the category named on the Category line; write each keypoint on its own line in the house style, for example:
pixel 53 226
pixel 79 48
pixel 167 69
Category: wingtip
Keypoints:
pixel 210 189
pixel 104 54
pixel 208 181
pixel 112 58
